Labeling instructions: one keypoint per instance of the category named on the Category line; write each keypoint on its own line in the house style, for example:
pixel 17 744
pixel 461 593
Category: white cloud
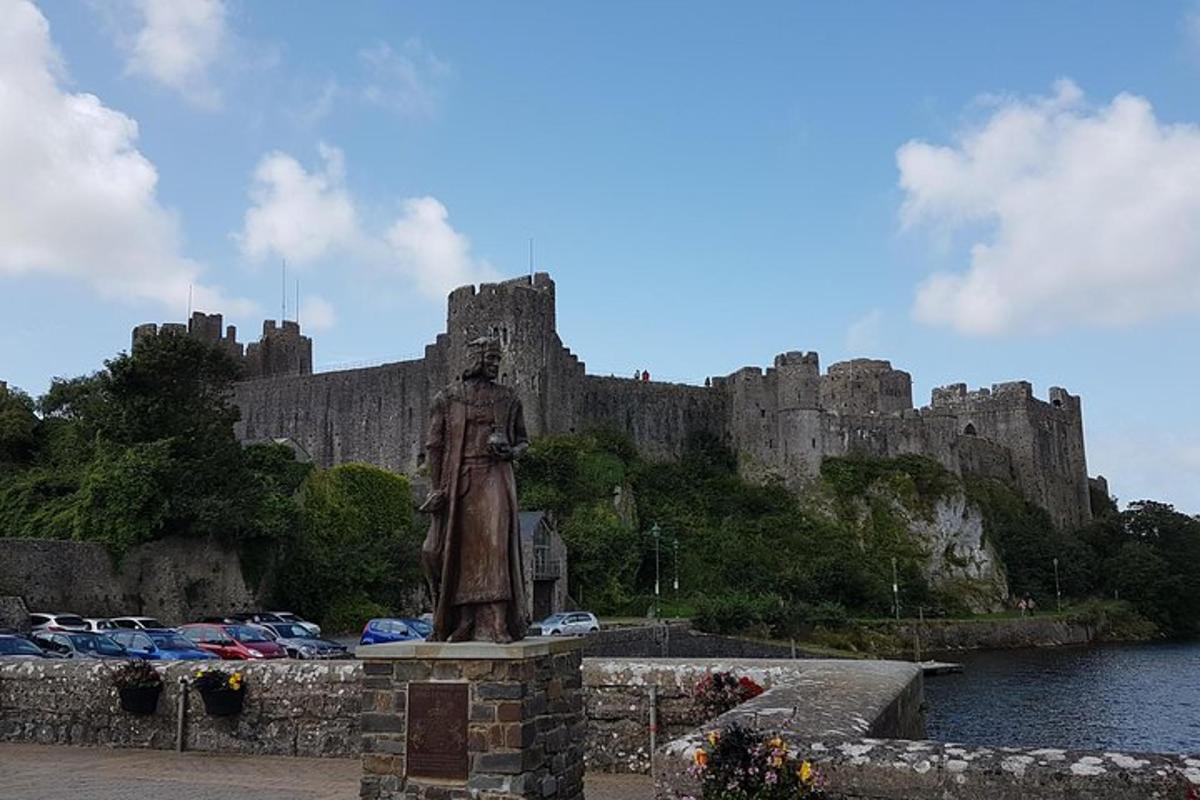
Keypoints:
pixel 316 313
pixel 863 335
pixel 308 217
pixel 430 251
pixel 407 81
pixel 78 199
pixel 1078 215
pixel 299 215
pixel 177 43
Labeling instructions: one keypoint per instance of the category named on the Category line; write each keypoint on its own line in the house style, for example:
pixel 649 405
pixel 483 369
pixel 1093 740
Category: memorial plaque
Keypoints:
pixel 437 731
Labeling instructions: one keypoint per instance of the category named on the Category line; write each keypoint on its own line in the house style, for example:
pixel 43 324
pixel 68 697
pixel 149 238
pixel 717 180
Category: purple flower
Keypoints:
pixel 771 777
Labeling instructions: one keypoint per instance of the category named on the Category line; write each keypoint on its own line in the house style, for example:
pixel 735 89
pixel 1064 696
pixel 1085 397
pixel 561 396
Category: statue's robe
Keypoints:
pixel 472 554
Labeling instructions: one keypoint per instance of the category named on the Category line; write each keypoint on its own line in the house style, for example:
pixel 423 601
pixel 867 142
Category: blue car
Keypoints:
pixel 161 644
pixel 381 631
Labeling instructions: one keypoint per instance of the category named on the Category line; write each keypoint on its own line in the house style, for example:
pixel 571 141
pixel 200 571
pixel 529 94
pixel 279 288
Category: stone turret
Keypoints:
pixel 283 350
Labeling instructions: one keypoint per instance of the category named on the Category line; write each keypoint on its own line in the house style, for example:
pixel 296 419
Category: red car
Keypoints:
pixel 233 641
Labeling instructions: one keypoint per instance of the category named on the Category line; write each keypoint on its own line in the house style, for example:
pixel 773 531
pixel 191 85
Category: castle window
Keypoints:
pixel 969 430
pixel 1056 403
pixel 814 444
pixel 762 412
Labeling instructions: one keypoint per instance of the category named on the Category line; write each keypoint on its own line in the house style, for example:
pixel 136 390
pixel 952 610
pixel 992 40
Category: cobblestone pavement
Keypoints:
pixel 40 772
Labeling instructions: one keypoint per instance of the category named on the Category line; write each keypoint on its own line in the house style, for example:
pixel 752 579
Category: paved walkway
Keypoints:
pixel 40 772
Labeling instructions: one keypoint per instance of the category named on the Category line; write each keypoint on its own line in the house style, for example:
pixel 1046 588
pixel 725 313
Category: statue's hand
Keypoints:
pixel 501 450
pixel 434 503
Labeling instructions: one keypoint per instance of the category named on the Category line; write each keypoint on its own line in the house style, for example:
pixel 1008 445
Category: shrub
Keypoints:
pixel 350 614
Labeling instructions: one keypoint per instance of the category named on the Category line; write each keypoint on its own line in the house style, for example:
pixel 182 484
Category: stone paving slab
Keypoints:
pixel 41 772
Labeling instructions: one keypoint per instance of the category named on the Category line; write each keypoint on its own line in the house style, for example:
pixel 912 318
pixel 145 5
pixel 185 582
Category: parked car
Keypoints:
pixel 161 644
pixel 57 621
pixel 18 648
pixel 99 625
pixel 383 630
pixel 137 623
pixel 264 617
pixel 300 643
pixel 233 641
pixel 78 644
pixel 287 616
pixel 569 623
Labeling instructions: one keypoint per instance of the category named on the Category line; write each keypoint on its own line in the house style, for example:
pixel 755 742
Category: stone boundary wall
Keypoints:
pixel 677 640
pixel 904 767
pixel 293 708
pixel 988 634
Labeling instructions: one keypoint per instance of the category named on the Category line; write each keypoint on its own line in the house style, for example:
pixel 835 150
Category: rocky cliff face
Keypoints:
pixel 960 560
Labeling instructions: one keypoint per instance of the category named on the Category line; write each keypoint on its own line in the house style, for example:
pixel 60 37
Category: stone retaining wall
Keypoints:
pixel 853 767
pixel 293 708
pixel 677 640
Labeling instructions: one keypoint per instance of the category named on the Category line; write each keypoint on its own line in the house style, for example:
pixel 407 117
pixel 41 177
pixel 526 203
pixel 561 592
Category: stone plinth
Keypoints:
pixel 516 710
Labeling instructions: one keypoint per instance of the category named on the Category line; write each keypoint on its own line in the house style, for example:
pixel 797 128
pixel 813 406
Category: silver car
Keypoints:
pixel 570 623
pixel 56 621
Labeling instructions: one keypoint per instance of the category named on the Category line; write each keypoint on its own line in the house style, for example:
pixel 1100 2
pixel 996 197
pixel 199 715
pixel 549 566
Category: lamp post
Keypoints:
pixel 895 589
pixel 655 532
pixel 676 587
pixel 1057 587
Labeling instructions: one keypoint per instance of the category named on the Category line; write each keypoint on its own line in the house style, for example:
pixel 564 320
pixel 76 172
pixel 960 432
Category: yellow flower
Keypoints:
pixel 712 737
pixel 806 772
pixel 235 681
pixel 776 742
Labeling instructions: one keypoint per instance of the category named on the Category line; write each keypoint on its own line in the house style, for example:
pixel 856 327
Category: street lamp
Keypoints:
pixel 895 589
pixel 676 543
pixel 655 532
pixel 1057 588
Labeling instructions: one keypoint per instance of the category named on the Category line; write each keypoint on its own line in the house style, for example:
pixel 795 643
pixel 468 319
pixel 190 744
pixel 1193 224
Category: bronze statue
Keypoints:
pixel 472 554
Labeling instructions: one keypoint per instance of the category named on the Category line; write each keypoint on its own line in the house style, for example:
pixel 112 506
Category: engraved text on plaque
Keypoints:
pixel 437 731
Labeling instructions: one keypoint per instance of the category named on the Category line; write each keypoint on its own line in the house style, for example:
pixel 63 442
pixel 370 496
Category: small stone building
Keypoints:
pixel 544 558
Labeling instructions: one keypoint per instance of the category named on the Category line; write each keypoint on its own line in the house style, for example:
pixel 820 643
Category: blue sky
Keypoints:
pixel 977 194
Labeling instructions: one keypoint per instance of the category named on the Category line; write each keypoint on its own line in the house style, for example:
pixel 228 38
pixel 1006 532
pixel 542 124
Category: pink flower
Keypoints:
pixel 771 777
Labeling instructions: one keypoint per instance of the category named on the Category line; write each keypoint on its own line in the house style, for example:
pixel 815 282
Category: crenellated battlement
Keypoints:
pixel 282 350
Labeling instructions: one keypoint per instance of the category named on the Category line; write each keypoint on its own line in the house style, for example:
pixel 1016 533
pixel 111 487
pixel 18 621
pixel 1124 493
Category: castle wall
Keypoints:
pixel 374 415
pixel 782 421
pixel 658 417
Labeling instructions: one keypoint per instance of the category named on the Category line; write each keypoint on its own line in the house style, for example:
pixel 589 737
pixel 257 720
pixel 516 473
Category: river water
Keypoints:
pixel 1143 697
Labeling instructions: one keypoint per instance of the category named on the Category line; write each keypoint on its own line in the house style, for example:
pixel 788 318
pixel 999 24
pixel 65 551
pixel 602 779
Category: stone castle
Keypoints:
pixel 781 422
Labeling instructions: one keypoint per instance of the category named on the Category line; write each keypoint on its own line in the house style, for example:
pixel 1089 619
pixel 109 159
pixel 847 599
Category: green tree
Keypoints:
pixel 17 426
pixel 358 544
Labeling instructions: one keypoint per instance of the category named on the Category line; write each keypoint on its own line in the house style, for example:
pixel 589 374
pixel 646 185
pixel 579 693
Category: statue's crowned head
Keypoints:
pixel 483 358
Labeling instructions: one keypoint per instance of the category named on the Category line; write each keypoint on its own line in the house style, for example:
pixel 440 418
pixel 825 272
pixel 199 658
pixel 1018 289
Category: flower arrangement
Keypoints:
pixel 223 692
pixel 136 674
pixel 138 686
pixel 717 692
pixel 215 680
pixel 741 763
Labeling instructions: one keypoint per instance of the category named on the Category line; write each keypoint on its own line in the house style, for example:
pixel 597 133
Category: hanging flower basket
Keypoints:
pixel 140 699
pixel 139 686
pixel 223 692
pixel 223 702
